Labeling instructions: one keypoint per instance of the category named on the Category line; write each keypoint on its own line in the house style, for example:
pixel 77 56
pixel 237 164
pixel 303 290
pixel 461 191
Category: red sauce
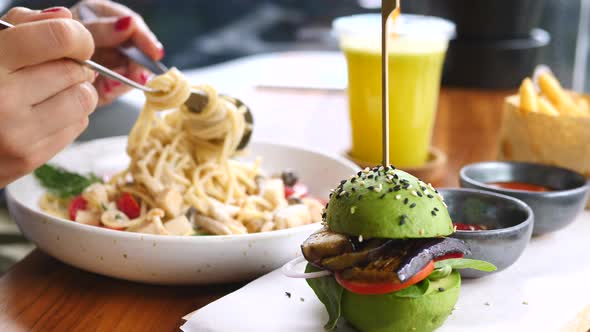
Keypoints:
pixel 519 186
pixel 467 227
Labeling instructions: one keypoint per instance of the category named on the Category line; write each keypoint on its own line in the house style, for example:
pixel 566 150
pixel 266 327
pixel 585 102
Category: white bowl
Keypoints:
pixel 171 260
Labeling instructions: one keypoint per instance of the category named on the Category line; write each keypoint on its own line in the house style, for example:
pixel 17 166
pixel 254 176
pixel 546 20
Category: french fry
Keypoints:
pixel 552 89
pixel 528 97
pixel 546 107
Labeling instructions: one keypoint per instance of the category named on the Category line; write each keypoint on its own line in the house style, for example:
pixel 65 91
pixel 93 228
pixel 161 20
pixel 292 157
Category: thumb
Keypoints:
pixel 110 31
pixel 20 15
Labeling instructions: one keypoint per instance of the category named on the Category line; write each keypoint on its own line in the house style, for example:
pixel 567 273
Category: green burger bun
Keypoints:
pixel 387 203
pixel 394 313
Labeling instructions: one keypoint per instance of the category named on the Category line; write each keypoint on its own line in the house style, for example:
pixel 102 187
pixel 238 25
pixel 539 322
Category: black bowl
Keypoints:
pixel 554 209
pixel 493 64
pixel 484 19
pixel 510 222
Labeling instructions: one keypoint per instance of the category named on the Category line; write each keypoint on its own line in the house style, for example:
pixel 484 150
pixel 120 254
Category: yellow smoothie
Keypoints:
pixel 415 68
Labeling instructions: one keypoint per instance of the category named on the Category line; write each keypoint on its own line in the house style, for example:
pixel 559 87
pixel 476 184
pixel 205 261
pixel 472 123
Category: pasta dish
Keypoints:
pixel 182 180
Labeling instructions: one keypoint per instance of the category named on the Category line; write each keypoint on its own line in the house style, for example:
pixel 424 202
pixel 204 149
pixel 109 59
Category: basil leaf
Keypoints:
pixel 62 183
pixel 465 263
pixel 440 273
pixel 414 291
pixel 329 292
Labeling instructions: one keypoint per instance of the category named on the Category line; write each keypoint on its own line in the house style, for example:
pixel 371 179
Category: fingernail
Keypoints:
pixel 123 23
pixel 161 50
pixel 51 10
pixel 143 78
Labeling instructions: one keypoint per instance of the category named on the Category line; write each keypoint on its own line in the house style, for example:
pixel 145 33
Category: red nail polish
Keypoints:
pixel 123 23
pixel 51 10
pixel 162 52
pixel 143 77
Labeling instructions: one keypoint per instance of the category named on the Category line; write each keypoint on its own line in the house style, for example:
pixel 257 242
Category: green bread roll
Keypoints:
pixel 387 203
pixel 392 313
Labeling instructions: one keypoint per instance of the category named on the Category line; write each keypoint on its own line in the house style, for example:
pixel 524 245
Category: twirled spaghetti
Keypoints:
pixel 181 179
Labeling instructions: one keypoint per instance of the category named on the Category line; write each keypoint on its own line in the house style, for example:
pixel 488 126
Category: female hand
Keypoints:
pixel 118 25
pixel 45 100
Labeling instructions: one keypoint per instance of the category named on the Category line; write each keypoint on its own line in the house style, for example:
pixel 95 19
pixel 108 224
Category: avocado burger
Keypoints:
pixel 383 260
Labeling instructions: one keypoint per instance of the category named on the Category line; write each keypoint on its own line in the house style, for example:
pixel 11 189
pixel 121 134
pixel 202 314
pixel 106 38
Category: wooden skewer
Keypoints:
pixel 387 7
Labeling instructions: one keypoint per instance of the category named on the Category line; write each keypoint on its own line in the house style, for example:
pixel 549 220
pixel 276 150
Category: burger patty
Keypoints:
pixel 376 260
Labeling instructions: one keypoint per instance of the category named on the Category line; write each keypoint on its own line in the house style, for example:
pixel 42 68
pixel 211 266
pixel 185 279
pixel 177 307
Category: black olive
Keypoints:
pixel 289 177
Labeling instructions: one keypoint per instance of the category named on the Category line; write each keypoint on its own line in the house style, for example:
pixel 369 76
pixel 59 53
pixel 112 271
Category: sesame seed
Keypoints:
pixel 423 188
pixel 421 232
pixel 414 193
pixel 352 209
pixel 361 238
pixel 398 197
pixel 433 213
pixel 342 182
pixel 429 196
pixel 371 187
pixel 382 196
pixel 379 188
pixel 397 188
pixel 402 221
pixel 445 204
pixel 431 187
pixel 406 201
pixel 366 170
pixel 413 205
pixel 441 289
pixel 362 183
pixel 359 173
pixel 419 194
pixel 390 190
pixel 353 189
pixel 324 215
pixel 370 176
pixel 353 180
pixel 409 186
pixel 342 193
pixel 395 176
pixel 406 186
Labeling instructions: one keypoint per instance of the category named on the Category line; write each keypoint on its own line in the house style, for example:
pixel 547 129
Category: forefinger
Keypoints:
pixel 41 41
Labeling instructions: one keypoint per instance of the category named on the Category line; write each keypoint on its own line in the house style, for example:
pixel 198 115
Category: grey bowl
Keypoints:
pixel 553 210
pixel 510 221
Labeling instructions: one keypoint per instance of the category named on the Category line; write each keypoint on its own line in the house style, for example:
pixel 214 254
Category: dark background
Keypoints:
pixel 197 33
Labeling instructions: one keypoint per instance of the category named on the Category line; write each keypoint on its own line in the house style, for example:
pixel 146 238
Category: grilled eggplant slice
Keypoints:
pixel 403 259
pixel 325 243
pixel 370 250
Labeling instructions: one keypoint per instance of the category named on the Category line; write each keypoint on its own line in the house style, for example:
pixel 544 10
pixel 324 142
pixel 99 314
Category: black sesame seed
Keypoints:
pixel 324 215
pixel 397 188
pixel 440 289
pixel 382 196
pixel 423 188
pixel 390 190
pixel 371 188
pixel 413 205
pixel 395 176
pixel 330 195
pixel 393 167
pixel 429 196
pixel 406 186
pixel 436 191
pixel 353 180
pixel 402 221
pixel 419 194
pixel 342 182
pixel 436 209
pixel 359 173
pixel 370 176
pixel 406 201
pixel 433 213
pixel 288 294
pixel 353 189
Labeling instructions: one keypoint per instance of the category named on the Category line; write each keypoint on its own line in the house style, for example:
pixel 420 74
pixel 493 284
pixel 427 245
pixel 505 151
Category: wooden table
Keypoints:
pixel 42 294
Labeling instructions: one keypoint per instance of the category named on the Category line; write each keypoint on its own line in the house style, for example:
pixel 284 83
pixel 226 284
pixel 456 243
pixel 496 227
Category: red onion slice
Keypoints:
pixel 290 270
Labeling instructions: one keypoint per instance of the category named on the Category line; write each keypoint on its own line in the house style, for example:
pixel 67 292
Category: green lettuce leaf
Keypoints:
pixel 440 272
pixel 62 183
pixel 329 292
pixel 465 263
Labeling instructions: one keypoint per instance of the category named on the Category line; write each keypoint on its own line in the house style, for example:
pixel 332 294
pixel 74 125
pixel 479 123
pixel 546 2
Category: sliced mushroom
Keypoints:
pixel 170 201
pixel 88 217
pixel 179 226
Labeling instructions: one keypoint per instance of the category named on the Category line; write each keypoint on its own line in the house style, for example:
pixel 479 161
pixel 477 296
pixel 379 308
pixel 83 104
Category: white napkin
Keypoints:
pixel 543 291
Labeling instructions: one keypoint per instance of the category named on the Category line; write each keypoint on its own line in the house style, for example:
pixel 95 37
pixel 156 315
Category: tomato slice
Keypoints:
pixel 298 190
pixel 128 205
pixel 371 288
pixel 77 204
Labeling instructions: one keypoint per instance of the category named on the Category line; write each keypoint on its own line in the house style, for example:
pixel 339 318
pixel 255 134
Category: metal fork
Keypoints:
pixel 196 101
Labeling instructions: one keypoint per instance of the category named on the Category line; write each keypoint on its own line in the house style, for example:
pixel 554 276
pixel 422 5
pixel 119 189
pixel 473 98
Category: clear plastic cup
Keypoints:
pixel 417 48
